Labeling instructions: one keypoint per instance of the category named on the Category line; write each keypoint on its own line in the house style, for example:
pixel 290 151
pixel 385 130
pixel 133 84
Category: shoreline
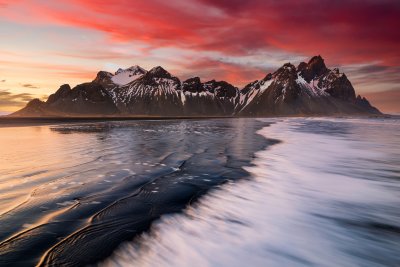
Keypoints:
pixel 8 121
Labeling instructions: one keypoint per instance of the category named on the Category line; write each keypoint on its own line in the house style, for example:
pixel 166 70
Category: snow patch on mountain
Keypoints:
pixel 264 86
pixel 311 88
pixel 257 89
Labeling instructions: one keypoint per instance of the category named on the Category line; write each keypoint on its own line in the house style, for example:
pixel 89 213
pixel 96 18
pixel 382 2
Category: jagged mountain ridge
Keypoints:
pixel 216 98
pixel 308 89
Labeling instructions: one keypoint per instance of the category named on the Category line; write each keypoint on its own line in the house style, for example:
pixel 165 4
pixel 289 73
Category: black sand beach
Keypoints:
pixel 115 179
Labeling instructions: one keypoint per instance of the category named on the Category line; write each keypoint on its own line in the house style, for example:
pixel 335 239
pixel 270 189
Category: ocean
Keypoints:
pixel 216 192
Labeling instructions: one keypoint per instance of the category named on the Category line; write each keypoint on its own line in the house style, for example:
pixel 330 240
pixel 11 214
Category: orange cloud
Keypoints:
pixel 208 69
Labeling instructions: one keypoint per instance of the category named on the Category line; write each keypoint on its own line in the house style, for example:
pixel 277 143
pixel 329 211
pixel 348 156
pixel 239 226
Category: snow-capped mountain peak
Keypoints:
pixel 160 72
pixel 125 76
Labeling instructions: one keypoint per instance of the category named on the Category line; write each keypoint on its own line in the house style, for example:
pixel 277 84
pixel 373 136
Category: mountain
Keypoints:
pixel 308 89
pixel 156 92
pixel 212 98
pixel 84 99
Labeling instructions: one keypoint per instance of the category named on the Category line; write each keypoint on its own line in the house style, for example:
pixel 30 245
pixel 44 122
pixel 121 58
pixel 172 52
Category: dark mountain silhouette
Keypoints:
pixel 309 89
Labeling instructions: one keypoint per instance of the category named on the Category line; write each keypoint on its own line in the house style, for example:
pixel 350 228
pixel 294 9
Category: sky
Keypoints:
pixel 48 43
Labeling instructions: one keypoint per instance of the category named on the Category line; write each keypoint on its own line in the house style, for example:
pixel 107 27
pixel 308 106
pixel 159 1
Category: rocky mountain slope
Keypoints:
pixel 308 89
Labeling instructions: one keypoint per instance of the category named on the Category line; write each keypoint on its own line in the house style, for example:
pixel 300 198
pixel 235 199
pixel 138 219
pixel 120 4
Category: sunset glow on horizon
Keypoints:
pixel 49 43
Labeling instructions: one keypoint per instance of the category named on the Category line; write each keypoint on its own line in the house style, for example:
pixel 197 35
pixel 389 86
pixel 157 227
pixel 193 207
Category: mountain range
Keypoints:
pixel 308 89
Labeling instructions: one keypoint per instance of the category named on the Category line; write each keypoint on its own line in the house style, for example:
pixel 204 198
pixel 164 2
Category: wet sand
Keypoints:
pixel 71 193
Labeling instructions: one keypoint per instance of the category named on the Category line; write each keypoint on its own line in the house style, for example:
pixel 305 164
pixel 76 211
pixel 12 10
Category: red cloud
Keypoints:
pixel 343 31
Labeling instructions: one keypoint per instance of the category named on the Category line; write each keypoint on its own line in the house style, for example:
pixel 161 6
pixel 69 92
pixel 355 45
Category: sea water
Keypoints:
pixel 327 195
pixel 223 192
